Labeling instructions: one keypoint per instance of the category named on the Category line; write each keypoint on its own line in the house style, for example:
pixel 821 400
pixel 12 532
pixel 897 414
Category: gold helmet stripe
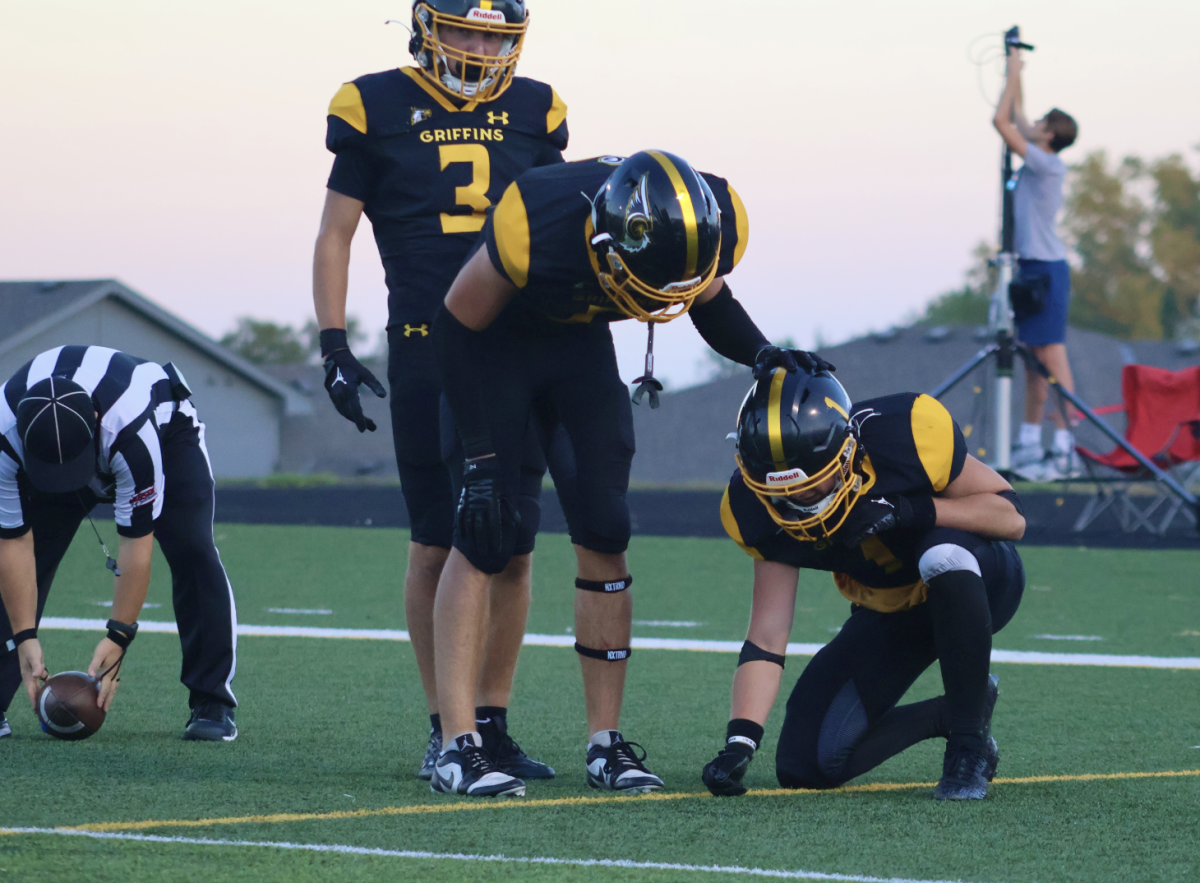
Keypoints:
pixel 830 403
pixel 485 5
pixel 774 418
pixel 689 212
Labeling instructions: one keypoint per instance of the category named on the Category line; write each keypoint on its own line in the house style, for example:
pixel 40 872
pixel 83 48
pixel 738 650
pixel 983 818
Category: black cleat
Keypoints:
pixel 466 769
pixel 993 750
pixel 211 721
pixel 432 750
pixel 723 775
pixel 507 754
pixel 5 729
pixel 964 769
pixel 618 768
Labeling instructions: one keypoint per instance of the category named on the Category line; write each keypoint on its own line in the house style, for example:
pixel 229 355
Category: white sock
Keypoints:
pixel 604 738
pixel 1064 442
pixel 1031 434
pixel 452 745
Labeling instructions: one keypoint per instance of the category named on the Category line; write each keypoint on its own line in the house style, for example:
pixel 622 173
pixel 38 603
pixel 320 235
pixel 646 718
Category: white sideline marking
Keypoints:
pixel 1070 637
pixel 293 631
pixel 460 857
pixel 668 623
pixel 300 610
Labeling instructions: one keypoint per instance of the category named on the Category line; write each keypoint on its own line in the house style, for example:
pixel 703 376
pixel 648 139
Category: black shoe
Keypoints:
pixel 5 729
pixel 466 769
pixel 211 721
pixel 432 750
pixel 618 768
pixel 993 750
pixel 964 769
pixel 723 775
pixel 507 754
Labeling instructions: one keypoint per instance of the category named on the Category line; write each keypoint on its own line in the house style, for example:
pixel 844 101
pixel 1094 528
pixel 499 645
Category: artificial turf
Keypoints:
pixel 336 726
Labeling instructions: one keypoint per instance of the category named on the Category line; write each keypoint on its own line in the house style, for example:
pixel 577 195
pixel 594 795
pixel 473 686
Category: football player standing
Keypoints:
pixel 569 249
pixel 918 535
pixel 424 152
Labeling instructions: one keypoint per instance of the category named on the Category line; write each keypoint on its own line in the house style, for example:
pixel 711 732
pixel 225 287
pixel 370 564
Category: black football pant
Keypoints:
pixel 202 595
pixel 566 375
pixel 842 719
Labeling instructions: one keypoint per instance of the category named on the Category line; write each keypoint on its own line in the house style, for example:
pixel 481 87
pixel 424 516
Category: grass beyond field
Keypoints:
pixel 332 731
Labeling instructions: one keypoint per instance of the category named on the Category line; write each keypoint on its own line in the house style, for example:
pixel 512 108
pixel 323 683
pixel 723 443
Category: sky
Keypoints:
pixel 180 147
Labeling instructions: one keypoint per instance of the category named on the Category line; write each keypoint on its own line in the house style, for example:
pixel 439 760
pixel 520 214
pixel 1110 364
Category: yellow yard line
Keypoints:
pixel 477 806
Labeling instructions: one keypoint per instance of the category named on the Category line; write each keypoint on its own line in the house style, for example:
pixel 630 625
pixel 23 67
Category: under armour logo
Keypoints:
pixel 410 330
pixel 339 378
pixel 501 118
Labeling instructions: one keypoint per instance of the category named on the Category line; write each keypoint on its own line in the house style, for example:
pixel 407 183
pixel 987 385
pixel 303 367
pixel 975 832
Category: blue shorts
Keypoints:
pixel 1050 325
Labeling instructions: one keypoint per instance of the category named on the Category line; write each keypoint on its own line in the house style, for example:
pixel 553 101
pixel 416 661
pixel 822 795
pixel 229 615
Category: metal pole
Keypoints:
pixel 952 381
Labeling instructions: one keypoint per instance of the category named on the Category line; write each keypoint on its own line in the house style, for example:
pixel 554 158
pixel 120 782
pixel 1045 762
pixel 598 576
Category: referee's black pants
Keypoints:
pixel 202 595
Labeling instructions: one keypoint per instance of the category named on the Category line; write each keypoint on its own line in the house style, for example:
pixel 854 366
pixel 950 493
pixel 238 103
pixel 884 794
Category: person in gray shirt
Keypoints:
pixel 1041 318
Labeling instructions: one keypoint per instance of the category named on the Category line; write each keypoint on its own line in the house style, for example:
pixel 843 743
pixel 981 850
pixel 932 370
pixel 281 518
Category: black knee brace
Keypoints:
pixel 619 655
pixel 751 652
pixel 604 588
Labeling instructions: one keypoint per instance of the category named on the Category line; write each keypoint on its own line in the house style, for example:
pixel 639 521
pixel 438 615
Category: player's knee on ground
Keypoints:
pixel 946 558
pixel 844 725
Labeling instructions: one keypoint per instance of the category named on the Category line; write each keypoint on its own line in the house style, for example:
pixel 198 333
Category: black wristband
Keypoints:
pixel 743 735
pixel 924 513
pixel 121 633
pixel 332 340
pixel 22 636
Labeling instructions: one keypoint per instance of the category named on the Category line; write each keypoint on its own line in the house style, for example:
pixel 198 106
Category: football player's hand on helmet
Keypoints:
pixel 483 511
pixel 343 374
pixel 723 775
pixel 771 357
pixel 874 515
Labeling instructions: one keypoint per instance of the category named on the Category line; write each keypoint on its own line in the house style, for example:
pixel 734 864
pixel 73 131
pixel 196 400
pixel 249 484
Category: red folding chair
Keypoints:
pixel 1162 412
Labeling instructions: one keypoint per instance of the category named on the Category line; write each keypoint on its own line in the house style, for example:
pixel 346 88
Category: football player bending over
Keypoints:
pixel 918 535
pixel 569 249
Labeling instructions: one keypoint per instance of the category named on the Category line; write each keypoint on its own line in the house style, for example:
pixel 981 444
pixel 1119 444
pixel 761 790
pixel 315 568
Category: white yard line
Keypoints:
pixel 291 631
pixel 458 857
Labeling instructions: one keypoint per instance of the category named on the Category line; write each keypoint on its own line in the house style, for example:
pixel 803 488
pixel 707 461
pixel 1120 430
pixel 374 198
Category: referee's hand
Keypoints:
pixel 106 659
pixel 33 668
pixel 343 374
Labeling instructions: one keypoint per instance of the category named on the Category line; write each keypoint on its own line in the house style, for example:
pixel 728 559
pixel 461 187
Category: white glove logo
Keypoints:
pixel 339 378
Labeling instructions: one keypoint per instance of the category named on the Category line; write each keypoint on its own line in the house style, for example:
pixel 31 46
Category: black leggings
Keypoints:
pixel 842 718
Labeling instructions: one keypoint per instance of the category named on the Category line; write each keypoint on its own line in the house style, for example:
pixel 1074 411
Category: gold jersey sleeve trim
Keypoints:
pixel 511 229
pixel 731 527
pixel 347 105
pixel 743 225
pixel 933 434
pixel 557 114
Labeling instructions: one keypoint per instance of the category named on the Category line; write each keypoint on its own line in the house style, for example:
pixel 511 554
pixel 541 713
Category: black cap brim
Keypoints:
pixel 62 478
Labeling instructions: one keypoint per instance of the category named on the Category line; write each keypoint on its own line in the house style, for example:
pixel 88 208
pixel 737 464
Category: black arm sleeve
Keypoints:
pixel 727 328
pixel 458 350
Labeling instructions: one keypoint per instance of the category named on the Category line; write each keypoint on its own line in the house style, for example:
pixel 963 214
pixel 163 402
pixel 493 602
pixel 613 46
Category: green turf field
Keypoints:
pixel 332 730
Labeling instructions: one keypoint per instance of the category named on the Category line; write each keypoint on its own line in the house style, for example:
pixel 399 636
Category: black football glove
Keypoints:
pixel 723 775
pixel 483 512
pixel 343 374
pixel 771 357
pixel 875 515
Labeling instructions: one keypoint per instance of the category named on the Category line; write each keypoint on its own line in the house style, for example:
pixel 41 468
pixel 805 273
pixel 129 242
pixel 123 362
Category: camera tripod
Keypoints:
pixel 1005 348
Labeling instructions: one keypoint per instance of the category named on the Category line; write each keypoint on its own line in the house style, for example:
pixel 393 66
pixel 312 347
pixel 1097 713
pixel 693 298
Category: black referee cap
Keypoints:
pixel 57 424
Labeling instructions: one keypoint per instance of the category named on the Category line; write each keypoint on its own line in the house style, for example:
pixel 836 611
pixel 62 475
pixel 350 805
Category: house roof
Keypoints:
pixel 31 307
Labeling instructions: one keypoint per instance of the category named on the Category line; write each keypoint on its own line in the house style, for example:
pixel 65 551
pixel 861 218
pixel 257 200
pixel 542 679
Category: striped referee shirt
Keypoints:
pixel 133 400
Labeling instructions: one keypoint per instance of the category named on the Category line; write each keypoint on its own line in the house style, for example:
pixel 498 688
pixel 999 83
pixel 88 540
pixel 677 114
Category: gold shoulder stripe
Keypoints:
pixel 558 112
pixel 731 527
pixel 933 434
pixel 347 105
pixel 418 77
pixel 511 229
pixel 743 225
pixel 689 213
pixel 775 418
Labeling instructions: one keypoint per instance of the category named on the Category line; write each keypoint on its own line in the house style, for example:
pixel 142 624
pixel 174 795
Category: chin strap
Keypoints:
pixel 647 383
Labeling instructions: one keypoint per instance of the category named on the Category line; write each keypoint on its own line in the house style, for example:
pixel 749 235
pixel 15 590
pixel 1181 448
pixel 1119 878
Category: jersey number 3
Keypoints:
pixel 475 193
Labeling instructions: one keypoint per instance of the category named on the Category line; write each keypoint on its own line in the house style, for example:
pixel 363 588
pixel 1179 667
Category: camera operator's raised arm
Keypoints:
pixel 1009 108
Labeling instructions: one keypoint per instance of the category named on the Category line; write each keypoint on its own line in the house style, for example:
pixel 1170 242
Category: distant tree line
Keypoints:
pixel 269 343
pixel 1134 233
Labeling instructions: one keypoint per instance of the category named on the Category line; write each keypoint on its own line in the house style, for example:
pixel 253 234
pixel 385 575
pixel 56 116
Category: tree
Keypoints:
pixel 1175 240
pixel 266 343
pixel 967 305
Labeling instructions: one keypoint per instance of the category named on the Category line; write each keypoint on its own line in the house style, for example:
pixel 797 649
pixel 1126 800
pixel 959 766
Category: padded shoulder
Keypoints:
pixel 744 519
pixel 372 105
pixel 535 107
pixel 913 442
pixel 735 225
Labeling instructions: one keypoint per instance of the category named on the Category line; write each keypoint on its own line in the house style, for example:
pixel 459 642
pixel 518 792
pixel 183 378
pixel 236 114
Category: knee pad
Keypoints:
pixel 751 652
pixel 604 588
pixel 616 655
pixel 945 558
pixel 845 723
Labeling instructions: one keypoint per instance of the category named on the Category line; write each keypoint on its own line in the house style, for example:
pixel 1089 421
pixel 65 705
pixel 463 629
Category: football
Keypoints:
pixel 66 706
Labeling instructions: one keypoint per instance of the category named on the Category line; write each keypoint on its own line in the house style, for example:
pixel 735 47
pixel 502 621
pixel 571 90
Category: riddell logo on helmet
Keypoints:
pixel 786 477
pixel 488 15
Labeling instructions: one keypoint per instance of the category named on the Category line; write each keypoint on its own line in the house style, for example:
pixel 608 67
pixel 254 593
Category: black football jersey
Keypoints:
pixel 538 238
pixel 428 170
pixel 913 446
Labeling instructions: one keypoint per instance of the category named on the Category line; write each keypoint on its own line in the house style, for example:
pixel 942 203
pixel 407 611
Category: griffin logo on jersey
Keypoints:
pixel 419 115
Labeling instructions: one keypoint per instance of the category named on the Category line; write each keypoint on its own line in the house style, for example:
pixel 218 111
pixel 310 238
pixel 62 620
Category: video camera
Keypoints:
pixel 1012 39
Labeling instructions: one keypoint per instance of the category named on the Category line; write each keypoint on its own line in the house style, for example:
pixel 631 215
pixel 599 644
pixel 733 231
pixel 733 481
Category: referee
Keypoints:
pixel 81 425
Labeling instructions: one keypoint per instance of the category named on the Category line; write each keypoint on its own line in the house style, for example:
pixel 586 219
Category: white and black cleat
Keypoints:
pixel 617 767
pixel 465 768
pixel 432 750
pixel 211 721
pixel 5 729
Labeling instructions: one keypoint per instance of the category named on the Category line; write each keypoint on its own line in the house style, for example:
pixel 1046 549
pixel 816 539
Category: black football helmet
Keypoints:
pixel 479 77
pixel 655 236
pixel 794 435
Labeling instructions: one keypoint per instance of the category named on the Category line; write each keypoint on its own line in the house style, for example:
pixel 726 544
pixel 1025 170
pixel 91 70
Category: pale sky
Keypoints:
pixel 180 147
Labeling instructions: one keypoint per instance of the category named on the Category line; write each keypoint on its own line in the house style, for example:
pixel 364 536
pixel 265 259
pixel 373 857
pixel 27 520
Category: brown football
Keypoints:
pixel 66 706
